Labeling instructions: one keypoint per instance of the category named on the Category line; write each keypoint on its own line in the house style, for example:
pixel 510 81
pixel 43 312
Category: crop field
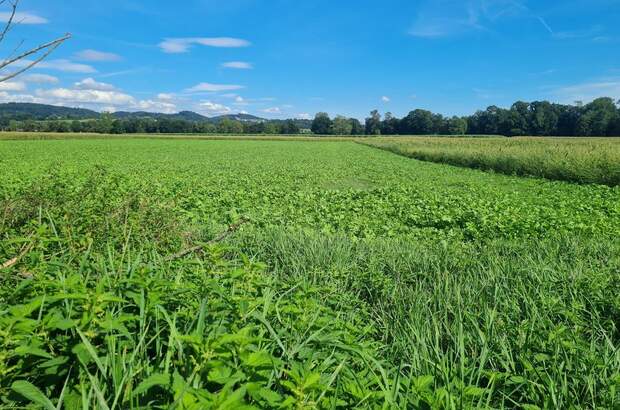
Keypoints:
pixel 582 160
pixel 191 274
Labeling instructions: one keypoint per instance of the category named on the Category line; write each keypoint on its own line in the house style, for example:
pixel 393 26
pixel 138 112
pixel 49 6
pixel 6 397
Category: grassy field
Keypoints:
pixel 357 279
pixel 582 160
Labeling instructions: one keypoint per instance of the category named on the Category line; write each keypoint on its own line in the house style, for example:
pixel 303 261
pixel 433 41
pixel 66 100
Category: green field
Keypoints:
pixel 358 279
pixel 582 160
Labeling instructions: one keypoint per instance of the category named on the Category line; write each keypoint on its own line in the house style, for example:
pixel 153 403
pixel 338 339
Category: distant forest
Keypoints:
pixel 541 118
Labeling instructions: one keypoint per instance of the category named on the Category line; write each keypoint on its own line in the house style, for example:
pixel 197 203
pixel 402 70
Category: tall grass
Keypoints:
pixel 582 160
pixel 525 323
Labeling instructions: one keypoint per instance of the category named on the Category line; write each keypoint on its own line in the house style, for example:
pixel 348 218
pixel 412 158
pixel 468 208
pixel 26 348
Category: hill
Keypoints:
pixel 40 112
pixel 28 111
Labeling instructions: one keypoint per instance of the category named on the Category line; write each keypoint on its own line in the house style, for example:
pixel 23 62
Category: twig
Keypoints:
pixel 231 229
pixel 9 23
pixel 49 47
pixel 12 262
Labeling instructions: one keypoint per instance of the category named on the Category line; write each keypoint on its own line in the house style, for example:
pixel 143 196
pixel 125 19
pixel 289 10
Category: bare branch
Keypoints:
pixel 46 48
pixel 49 47
pixel 9 23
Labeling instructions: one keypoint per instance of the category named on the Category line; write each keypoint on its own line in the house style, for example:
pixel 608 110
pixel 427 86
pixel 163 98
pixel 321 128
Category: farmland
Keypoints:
pixel 582 160
pixel 354 278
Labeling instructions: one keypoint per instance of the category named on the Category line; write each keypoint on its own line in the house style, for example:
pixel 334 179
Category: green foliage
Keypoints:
pixel 389 283
pixel 322 124
pixel 201 333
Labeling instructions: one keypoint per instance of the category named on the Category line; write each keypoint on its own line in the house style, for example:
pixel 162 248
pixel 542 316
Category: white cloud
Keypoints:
pixel 239 65
pixel 183 45
pixel 588 91
pixel 240 101
pixel 40 79
pixel 211 108
pixel 208 87
pixel 60 65
pixel 88 96
pixel 385 99
pixel 157 106
pixel 272 110
pixel 304 116
pixel 91 84
pixel 12 86
pixel 23 18
pixel 98 56
pixel 24 98
pixel 88 93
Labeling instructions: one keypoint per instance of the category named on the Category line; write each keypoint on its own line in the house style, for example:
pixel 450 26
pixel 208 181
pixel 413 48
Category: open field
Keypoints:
pixel 361 279
pixel 582 160
pixel 30 136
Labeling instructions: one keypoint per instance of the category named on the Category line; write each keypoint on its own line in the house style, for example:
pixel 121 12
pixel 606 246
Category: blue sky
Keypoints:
pixel 284 58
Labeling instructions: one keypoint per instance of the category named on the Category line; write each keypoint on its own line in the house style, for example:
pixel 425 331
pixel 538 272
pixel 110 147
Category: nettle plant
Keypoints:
pixel 95 332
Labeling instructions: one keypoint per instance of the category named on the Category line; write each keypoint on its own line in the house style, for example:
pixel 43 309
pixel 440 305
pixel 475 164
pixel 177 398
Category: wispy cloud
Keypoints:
pixel 447 18
pixel 183 45
pixel 272 110
pixel 208 87
pixel 59 65
pixel 545 25
pixel 486 94
pixel 40 79
pixel 23 18
pixel 385 99
pixel 97 56
pixel 591 32
pixel 587 91
pixel 239 65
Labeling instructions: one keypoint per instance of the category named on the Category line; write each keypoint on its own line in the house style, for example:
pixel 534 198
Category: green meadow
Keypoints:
pixel 303 274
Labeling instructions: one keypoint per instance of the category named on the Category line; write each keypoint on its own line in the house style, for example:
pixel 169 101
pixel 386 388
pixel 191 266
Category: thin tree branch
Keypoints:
pixel 50 47
pixel 9 23
pixel 11 262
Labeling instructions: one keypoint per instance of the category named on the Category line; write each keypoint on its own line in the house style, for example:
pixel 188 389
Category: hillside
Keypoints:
pixel 39 112
pixel 28 111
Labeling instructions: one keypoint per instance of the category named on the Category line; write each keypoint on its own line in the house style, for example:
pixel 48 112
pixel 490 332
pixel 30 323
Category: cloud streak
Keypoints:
pixel 183 45
pixel 209 87
pixel 588 91
pixel 97 56
pixel 446 18
pixel 23 18
pixel 238 65
pixel 63 65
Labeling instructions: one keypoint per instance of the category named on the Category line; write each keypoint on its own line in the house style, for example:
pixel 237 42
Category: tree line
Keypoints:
pixel 106 124
pixel 601 117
